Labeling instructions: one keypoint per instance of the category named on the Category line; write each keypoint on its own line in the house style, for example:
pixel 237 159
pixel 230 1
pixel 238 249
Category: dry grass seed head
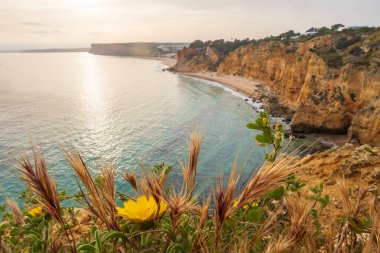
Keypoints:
pixel 16 212
pixel 131 179
pixel 100 199
pixel 189 169
pixel 267 178
pixel 224 199
pixel 39 182
pixel 266 227
pixel 203 213
pixel 283 244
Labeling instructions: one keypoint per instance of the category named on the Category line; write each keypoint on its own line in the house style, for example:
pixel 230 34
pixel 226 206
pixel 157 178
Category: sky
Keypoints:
pixel 78 23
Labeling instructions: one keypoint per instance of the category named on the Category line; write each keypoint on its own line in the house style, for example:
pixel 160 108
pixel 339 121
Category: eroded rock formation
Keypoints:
pixel 333 83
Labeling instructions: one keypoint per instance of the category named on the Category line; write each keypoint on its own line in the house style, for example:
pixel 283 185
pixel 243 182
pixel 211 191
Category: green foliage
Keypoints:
pixel 270 134
pixel 196 44
pixel 223 47
pixel 287 35
pixel 370 150
pixel 345 42
pixel 158 168
pixel 104 242
pixel 293 183
pixel 336 27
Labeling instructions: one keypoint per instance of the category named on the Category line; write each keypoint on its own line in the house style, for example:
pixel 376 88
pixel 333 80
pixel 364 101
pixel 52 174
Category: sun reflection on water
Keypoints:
pixel 93 96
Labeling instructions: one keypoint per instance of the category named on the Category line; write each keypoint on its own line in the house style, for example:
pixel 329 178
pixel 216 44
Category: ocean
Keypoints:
pixel 119 110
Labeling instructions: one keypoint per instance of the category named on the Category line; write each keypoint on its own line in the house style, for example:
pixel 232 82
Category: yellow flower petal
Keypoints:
pixel 141 210
pixel 36 212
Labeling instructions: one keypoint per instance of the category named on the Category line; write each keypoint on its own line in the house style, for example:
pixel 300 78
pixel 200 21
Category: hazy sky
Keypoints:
pixel 42 23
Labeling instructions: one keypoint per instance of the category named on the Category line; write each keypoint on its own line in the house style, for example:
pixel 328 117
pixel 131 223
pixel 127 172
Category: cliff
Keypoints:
pixel 359 166
pixel 332 82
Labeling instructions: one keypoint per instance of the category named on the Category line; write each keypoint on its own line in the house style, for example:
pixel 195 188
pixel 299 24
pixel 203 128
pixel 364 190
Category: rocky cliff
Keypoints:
pixel 332 82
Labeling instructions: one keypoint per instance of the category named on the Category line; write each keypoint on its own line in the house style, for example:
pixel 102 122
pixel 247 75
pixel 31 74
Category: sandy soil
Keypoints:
pixel 242 85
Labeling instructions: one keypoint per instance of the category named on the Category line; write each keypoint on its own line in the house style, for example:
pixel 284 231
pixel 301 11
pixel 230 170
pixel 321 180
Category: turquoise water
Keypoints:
pixel 125 111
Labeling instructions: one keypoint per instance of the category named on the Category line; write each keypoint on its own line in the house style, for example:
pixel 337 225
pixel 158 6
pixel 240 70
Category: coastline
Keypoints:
pixel 169 62
pixel 254 90
pixel 258 92
pixel 242 85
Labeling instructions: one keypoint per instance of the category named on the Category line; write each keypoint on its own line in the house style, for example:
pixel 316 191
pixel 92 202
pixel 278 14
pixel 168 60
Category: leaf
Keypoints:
pixel 259 123
pixel 314 212
pixel 175 247
pixel 145 238
pixel 99 243
pixel 325 201
pixel 254 215
pixel 86 247
pixel 115 235
pixel 253 126
pixel 268 136
pixel 260 139
pixel 276 194
pixel 168 170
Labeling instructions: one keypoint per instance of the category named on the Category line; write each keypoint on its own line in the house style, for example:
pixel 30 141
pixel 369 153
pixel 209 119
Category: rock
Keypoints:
pixel 326 144
pixel 376 174
pixel 326 99
pixel 330 181
pixel 329 91
pixel 300 136
pixel 351 166
pixel 338 204
pixel 365 126
pixel 189 60
pixel 348 145
pixel 373 189
pixel 287 132
pixel 357 164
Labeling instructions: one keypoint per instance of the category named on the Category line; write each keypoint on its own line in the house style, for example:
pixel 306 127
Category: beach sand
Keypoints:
pixel 242 85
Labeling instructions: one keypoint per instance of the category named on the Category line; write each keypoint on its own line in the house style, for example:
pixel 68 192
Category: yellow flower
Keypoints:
pixel 255 204
pixel 36 212
pixel 265 121
pixel 246 207
pixel 142 210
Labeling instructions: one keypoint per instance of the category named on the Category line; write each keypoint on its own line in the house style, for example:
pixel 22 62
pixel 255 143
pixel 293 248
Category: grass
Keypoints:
pixel 271 212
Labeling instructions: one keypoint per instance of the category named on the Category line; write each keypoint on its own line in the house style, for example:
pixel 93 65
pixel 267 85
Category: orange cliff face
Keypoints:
pixel 332 91
pixel 191 60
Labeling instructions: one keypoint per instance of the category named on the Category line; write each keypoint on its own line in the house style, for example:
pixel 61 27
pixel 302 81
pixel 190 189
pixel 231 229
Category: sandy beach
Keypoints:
pixel 242 85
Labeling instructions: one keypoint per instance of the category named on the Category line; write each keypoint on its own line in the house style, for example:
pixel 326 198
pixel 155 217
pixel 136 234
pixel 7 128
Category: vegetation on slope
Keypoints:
pixel 271 211
pixel 349 45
